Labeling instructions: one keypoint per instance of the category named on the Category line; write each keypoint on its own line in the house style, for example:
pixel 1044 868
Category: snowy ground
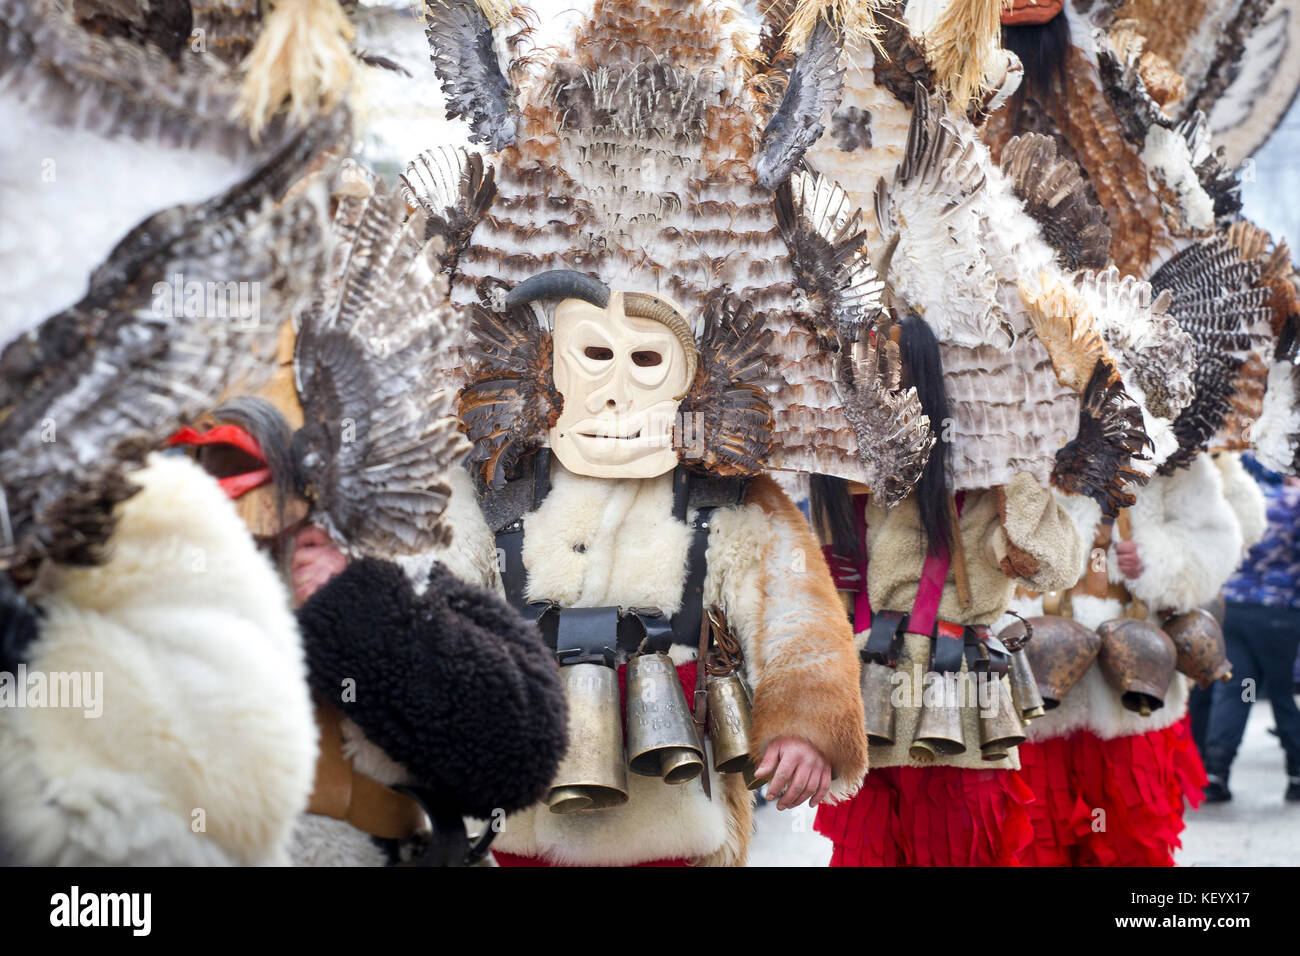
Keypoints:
pixel 1256 829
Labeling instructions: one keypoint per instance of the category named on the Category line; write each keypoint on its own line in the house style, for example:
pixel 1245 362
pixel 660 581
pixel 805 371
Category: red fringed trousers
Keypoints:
pixel 930 816
pixel 1115 802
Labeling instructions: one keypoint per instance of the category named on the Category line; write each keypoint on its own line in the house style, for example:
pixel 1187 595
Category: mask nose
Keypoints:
pixel 615 395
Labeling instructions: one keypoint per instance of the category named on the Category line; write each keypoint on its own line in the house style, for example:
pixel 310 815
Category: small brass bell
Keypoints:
pixel 593 774
pixel 1024 688
pixel 661 736
pixel 1000 728
pixel 877 684
pixel 728 704
pixel 939 733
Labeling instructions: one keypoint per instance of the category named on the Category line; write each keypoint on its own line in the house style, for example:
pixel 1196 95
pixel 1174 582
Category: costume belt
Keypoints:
pixel 343 793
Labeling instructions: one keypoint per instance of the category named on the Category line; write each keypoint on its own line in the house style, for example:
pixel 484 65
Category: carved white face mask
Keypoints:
pixel 622 377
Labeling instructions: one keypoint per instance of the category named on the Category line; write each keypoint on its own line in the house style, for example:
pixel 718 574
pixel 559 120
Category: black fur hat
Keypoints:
pixel 452 683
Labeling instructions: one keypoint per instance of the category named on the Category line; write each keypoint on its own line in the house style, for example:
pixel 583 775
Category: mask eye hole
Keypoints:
pixel 647 359
pixel 598 353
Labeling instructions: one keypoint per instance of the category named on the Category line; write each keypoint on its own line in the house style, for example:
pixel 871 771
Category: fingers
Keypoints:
pixel 800 788
pixel 768 764
pixel 785 768
pixel 823 787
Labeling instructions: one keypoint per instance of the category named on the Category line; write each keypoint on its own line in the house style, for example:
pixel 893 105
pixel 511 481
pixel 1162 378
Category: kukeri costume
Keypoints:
pixel 658 304
pixel 1119 743
pixel 1027 384
pixel 131 567
pixel 434 700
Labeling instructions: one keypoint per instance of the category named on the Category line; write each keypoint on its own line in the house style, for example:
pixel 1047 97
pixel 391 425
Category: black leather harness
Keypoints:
pixel 583 635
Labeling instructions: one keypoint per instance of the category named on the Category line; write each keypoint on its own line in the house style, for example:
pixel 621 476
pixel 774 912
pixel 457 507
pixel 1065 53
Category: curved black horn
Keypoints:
pixel 559 284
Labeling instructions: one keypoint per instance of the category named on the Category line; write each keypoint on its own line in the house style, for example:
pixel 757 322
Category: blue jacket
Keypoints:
pixel 1270 574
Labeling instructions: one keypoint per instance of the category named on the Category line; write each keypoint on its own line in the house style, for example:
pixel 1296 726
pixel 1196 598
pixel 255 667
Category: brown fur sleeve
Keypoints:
pixel 805 666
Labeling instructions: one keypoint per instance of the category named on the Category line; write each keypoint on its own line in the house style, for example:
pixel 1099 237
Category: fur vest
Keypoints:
pixel 605 542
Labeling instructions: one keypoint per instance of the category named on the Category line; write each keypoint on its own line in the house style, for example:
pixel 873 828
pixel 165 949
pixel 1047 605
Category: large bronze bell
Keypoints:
pixel 728 704
pixel 661 737
pixel 1198 638
pixel 1000 727
pixel 877 685
pixel 1137 659
pixel 1059 655
pixel 939 733
pixel 1024 688
pixel 593 774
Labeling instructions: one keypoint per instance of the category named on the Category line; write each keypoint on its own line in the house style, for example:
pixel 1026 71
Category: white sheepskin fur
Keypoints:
pixel 1244 497
pixel 1279 420
pixel 205 701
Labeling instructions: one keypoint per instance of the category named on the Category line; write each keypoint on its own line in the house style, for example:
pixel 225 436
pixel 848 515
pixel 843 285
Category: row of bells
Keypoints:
pixel 662 739
pixel 940 732
pixel 1136 658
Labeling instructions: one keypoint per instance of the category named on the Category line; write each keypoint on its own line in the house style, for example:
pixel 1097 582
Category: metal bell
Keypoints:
pixel 1001 729
pixel 661 736
pixel 1198 638
pixel 728 703
pixel 1137 659
pixel 939 733
pixel 1059 655
pixel 593 774
pixel 877 686
pixel 1024 689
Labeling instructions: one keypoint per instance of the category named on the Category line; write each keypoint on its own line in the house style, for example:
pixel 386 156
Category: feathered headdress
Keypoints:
pixel 638 155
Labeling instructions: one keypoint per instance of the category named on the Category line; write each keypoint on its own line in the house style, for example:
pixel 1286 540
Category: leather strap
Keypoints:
pixel 343 794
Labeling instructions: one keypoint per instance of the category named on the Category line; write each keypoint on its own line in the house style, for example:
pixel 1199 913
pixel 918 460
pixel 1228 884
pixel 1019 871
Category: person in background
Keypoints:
pixel 1262 632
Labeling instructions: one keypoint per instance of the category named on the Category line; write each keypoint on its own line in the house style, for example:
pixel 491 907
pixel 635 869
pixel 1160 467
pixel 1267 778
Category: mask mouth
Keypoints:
pixel 633 437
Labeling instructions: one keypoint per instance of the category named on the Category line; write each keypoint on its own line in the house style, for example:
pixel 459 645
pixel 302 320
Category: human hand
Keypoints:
pixel 1126 556
pixel 315 561
pixel 798 772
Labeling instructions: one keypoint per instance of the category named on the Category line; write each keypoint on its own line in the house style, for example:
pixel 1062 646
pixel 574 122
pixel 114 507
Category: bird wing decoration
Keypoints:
pixel 464 55
pixel 822 230
pixel 510 402
pixel 1215 299
pixel 455 190
pixel 1154 354
pixel 930 224
pixel 727 421
pixel 1056 197
pixel 103 133
pixel 189 303
pixel 813 89
pixel 894 435
pixel 1111 438
pixel 1266 413
pixel 378 438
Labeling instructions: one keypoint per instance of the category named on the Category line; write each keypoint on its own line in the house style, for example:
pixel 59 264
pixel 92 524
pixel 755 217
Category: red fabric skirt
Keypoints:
pixel 1115 802
pixel 930 816
pixel 686 674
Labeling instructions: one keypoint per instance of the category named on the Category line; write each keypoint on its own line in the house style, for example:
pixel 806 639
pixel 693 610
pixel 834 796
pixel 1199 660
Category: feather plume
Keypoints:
pixel 117 373
pixel 1064 325
pixel 822 230
pixel 961 46
pixel 1098 461
pixel 856 22
pixel 893 433
pixel 1056 197
pixel 728 419
pixel 510 402
pixel 302 58
pixel 377 438
pixel 465 58
pixel 813 90
pixel 454 189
